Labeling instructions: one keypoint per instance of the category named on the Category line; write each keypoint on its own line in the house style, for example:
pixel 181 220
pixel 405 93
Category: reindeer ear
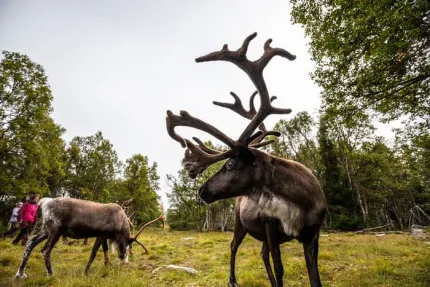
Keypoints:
pixel 246 154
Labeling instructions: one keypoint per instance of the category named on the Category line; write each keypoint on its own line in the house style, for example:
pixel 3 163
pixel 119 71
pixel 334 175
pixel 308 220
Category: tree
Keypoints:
pixel 349 132
pixel 343 212
pixel 379 176
pixel 415 155
pixel 297 141
pixel 30 141
pixel 141 184
pixel 371 54
pixel 187 211
pixel 92 164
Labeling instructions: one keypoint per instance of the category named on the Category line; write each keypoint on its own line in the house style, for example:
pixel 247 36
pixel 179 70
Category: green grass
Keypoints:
pixel 345 260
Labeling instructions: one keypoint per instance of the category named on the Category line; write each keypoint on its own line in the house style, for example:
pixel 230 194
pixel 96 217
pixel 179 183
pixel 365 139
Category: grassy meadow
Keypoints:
pixel 345 260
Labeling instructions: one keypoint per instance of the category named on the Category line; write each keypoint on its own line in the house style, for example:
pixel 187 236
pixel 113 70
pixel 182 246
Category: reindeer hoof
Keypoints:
pixel 20 275
pixel 232 284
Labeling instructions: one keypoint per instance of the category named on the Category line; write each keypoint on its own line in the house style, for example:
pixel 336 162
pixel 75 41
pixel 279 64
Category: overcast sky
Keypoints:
pixel 117 66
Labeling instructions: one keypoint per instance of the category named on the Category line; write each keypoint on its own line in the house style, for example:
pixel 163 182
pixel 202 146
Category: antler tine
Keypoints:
pixel 185 119
pixel 262 127
pixel 145 225
pixel 171 129
pixel 226 55
pixel 237 106
pixel 255 72
pixel 263 136
pixel 204 148
pixel 261 144
pixel 146 250
pixel 270 52
pixel 126 202
pixel 196 160
pixel 251 104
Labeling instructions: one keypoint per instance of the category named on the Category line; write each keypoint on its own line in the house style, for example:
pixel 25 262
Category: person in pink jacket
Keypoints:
pixel 28 219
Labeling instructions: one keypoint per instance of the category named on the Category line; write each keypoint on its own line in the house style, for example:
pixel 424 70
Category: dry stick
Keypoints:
pixel 373 228
pixel 392 232
pixel 422 211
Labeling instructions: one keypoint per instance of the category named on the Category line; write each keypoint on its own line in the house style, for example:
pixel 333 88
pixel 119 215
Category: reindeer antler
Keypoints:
pixel 198 157
pixel 254 140
pixel 255 72
pixel 126 202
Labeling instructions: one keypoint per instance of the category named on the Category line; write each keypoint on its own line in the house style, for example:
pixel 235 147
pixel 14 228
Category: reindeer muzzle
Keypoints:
pixel 205 194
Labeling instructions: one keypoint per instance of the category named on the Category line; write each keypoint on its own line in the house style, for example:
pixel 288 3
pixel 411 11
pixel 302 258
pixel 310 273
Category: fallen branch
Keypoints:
pixel 422 211
pixel 373 228
pixel 389 232
pixel 415 226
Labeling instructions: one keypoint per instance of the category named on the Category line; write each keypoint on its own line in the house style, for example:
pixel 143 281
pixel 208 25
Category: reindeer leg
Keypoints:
pixel 99 241
pixel 105 252
pixel 52 239
pixel 239 235
pixel 266 259
pixel 30 246
pixel 271 231
pixel 310 247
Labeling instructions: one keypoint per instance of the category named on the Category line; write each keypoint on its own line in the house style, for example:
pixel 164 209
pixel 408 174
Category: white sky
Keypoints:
pixel 117 66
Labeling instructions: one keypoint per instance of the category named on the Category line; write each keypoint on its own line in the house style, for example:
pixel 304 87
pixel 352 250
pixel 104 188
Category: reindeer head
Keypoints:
pixel 243 169
pixel 125 241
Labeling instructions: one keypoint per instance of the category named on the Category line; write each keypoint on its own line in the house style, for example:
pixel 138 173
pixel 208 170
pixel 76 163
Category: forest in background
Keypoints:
pixel 35 159
pixel 372 61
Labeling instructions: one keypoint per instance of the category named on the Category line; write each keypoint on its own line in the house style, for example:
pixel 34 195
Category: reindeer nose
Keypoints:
pixel 202 190
pixel 205 194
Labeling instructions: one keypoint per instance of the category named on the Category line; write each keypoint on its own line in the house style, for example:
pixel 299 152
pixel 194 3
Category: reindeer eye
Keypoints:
pixel 230 164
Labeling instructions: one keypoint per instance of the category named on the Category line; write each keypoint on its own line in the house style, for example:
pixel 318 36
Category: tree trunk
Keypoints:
pixel 360 199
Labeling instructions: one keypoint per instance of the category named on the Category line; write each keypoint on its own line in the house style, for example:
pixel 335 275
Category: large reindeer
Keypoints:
pixel 77 219
pixel 277 199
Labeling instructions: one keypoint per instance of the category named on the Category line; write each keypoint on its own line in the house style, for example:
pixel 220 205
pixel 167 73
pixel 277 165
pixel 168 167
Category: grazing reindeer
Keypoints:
pixel 277 200
pixel 162 218
pixel 77 219
pixel 66 241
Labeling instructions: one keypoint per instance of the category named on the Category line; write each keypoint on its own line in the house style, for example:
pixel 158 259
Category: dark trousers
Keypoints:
pixel 26 228
pixel 14 227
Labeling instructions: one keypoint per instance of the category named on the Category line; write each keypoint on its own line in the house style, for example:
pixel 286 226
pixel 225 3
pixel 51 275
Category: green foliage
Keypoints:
pixel 94 173
pixel 343 212
pixel 92 164
pixel 297 142
pixel 31 148
pixel 141 183
pixel 187 211
pixel 366 182
pixel 370 54
pixel 416 155
pixel 34 158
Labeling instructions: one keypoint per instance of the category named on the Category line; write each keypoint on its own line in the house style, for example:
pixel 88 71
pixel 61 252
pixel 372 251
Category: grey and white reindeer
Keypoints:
pixel 277 199
pixel 77 219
